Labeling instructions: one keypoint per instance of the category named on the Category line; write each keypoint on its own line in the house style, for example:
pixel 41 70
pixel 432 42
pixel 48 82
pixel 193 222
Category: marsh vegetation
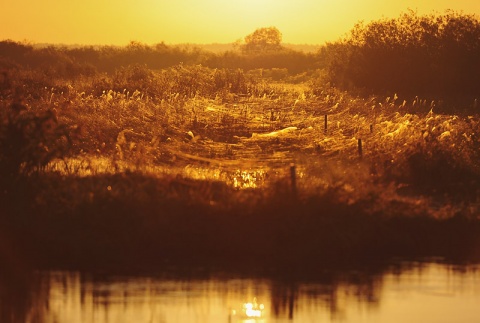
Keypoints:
pixel 156 155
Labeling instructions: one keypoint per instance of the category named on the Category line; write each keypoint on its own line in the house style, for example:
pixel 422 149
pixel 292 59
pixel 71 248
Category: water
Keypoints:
pixel 410 292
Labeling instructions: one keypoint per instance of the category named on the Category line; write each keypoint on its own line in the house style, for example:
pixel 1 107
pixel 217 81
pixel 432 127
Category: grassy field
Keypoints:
pixel 193 165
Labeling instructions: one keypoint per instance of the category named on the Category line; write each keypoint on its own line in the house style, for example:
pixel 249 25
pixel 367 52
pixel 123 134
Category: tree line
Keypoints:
pixel 435 55
pixel 263 51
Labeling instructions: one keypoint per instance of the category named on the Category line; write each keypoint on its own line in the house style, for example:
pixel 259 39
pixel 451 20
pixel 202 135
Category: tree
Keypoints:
pixel 263 40
pixel 433 55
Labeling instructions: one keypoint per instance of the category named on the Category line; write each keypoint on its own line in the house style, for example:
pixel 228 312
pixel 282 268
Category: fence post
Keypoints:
pixel 293 179
pixel 360 149
pixel 326 124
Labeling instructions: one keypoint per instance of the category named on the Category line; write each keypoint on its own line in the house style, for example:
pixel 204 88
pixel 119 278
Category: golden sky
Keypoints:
pixel 118 22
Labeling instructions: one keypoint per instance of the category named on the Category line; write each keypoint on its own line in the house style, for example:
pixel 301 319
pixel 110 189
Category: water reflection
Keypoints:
pixel 404 293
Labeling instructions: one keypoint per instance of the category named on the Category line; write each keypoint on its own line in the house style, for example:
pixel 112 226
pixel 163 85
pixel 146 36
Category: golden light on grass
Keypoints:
pixel 186 145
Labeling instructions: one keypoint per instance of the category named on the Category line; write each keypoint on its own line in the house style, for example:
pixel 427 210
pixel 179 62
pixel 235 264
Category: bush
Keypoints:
pixel 430 56
pixel 29 140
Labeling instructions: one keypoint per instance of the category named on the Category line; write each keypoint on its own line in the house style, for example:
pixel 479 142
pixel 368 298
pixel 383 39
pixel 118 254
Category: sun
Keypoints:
pixel 263 6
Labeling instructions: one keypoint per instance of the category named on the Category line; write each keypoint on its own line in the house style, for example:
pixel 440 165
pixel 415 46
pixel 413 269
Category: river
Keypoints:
pixel 402 292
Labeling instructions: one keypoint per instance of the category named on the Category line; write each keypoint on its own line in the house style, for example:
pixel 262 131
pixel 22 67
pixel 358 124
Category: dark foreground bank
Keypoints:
pixel 133 221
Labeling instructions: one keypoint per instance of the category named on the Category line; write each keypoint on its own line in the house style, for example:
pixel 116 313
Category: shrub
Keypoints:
pixel 132 78
pixel 430 56
pixel 29 140
pixel 230 80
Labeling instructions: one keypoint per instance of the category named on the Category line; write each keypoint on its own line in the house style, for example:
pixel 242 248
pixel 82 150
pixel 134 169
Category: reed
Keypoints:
pixel 172 166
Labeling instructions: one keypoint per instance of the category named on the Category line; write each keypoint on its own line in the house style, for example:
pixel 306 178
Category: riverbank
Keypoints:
pixel 132 221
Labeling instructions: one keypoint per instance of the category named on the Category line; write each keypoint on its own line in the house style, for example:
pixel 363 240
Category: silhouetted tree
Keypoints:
pixel 262 40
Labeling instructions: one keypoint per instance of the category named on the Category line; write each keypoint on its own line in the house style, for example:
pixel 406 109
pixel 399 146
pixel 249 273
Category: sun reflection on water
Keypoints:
pixel 406 292
pixel 253 309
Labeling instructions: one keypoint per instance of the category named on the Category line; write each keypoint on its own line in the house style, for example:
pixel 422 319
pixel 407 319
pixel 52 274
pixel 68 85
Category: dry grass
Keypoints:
pixel 208 177
pixel 249 141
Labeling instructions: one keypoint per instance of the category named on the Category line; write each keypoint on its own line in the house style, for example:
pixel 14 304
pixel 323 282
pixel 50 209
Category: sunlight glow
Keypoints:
pixel 191 21
pixel 243 179
pixel 253 310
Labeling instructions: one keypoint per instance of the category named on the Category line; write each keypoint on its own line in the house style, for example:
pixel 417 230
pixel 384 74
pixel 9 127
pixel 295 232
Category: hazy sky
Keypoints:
pixel 198 21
